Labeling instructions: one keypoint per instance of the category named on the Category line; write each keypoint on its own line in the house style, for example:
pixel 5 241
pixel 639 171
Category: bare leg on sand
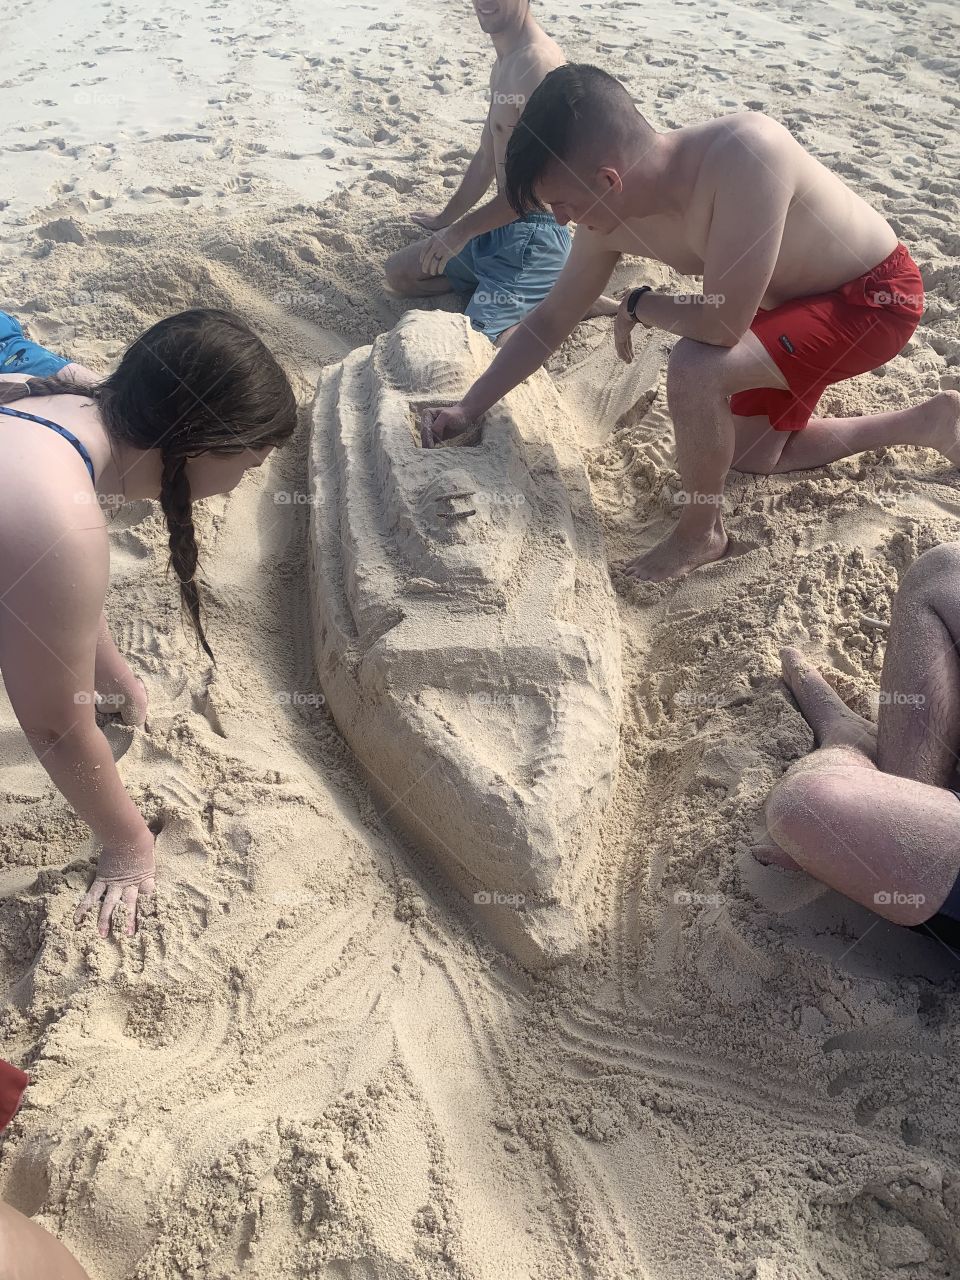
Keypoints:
pixel 711 441
pixel 868 812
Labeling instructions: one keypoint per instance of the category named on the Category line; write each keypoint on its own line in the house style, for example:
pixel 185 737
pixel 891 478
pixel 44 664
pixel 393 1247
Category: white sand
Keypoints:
pixel 311 1064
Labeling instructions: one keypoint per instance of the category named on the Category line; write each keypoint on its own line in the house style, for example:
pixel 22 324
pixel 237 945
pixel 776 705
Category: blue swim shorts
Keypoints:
pixel 19 355
pixel 509 271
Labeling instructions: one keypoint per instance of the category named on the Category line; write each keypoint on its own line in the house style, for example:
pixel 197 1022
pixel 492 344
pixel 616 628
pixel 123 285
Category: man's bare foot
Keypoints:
pixel 832 721
pixel 678 553
pixel 944 410
pixel 603 306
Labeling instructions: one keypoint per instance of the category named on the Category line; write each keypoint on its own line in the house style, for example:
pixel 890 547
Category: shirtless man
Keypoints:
pixel 874 812
pixel 803 285
pixel 507 265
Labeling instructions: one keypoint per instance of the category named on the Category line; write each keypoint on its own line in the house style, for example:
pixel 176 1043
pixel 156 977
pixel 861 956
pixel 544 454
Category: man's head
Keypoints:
pixel 496 16
pixel 578 138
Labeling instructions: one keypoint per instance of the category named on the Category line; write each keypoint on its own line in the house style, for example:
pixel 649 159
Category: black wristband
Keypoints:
pixel 635 298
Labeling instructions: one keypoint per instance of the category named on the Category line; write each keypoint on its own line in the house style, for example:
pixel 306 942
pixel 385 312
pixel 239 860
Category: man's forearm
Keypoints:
pixel 495 213
pixel 523 354
pixel 688 315
pixel 476 182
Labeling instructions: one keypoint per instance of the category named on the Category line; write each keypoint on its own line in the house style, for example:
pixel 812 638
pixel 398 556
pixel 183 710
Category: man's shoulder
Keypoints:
pixel 533 61
pixel 737 143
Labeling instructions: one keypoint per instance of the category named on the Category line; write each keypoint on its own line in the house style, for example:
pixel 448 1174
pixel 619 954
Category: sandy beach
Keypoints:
pixel 312 1062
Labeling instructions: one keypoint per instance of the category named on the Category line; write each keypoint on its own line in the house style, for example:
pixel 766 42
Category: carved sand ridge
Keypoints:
pixel 465 631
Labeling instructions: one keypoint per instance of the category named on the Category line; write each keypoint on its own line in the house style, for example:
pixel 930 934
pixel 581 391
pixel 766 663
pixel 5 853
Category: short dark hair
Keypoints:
pixel 572 108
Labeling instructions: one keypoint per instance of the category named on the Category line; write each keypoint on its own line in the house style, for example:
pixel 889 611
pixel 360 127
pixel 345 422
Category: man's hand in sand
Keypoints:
pixel 439 249
pixel 623 327
pixel 429 221
pixel 437 425
pixel 128 877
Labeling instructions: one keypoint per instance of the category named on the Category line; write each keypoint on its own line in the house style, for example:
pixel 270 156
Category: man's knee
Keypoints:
pixel 934 574
pixel 805 806
pixel 694 371
pixel 396 273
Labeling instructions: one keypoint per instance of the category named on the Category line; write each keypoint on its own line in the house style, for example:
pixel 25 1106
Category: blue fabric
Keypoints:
pixel 19 355
pixel 61 431
pixel 509 271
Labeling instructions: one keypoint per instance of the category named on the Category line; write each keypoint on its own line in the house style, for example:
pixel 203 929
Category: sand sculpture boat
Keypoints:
pixel 465 631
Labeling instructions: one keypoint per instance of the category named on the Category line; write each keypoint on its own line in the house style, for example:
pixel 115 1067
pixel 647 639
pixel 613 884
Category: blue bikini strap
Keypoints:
pixel 61 431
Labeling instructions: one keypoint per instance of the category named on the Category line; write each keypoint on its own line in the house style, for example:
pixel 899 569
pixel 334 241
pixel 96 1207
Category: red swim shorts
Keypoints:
pixel 12 1084
pixel 827 337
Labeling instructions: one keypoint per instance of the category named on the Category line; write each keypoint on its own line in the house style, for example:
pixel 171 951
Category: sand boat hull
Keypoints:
pixel 465 631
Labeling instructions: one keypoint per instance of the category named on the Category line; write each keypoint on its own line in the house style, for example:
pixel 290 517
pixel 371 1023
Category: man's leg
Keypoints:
pixel 918 720
pixel 405 275
pixel 935 424
pixel 891 844
pixel 700 380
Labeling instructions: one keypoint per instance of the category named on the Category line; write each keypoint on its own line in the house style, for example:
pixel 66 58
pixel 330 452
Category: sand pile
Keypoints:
pixel 310 1063
pixel 465 628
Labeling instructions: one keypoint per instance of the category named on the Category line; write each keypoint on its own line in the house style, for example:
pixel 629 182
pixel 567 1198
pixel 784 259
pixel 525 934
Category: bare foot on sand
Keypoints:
pixel 832 721
pixel 945 425
pixel 678 553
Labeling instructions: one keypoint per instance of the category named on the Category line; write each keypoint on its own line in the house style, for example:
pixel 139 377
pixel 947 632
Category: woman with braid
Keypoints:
pixel 194 403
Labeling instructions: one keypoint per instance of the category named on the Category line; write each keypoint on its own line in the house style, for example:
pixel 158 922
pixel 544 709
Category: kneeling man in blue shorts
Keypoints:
pixel 506 264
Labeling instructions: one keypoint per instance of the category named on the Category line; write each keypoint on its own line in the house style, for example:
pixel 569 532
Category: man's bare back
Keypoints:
pixel 830 235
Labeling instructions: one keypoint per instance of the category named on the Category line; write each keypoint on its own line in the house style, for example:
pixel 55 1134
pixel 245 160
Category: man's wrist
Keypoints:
pixel 634 298
pixel 472 408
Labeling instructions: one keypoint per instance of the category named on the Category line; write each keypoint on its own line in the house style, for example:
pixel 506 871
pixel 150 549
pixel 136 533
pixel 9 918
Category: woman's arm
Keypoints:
pixel 49 632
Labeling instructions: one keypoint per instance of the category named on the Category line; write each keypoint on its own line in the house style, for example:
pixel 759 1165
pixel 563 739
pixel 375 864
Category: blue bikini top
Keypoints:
pixel 61 431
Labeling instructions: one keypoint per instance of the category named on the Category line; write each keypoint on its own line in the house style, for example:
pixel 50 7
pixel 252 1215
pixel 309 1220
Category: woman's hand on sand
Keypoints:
pixel 623 328
pixel 127 876
pixel 429 221
pixel 127 699
pixel 437 425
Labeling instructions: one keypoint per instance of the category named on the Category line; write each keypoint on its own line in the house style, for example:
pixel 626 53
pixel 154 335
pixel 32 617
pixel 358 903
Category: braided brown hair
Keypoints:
pixel 196 383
